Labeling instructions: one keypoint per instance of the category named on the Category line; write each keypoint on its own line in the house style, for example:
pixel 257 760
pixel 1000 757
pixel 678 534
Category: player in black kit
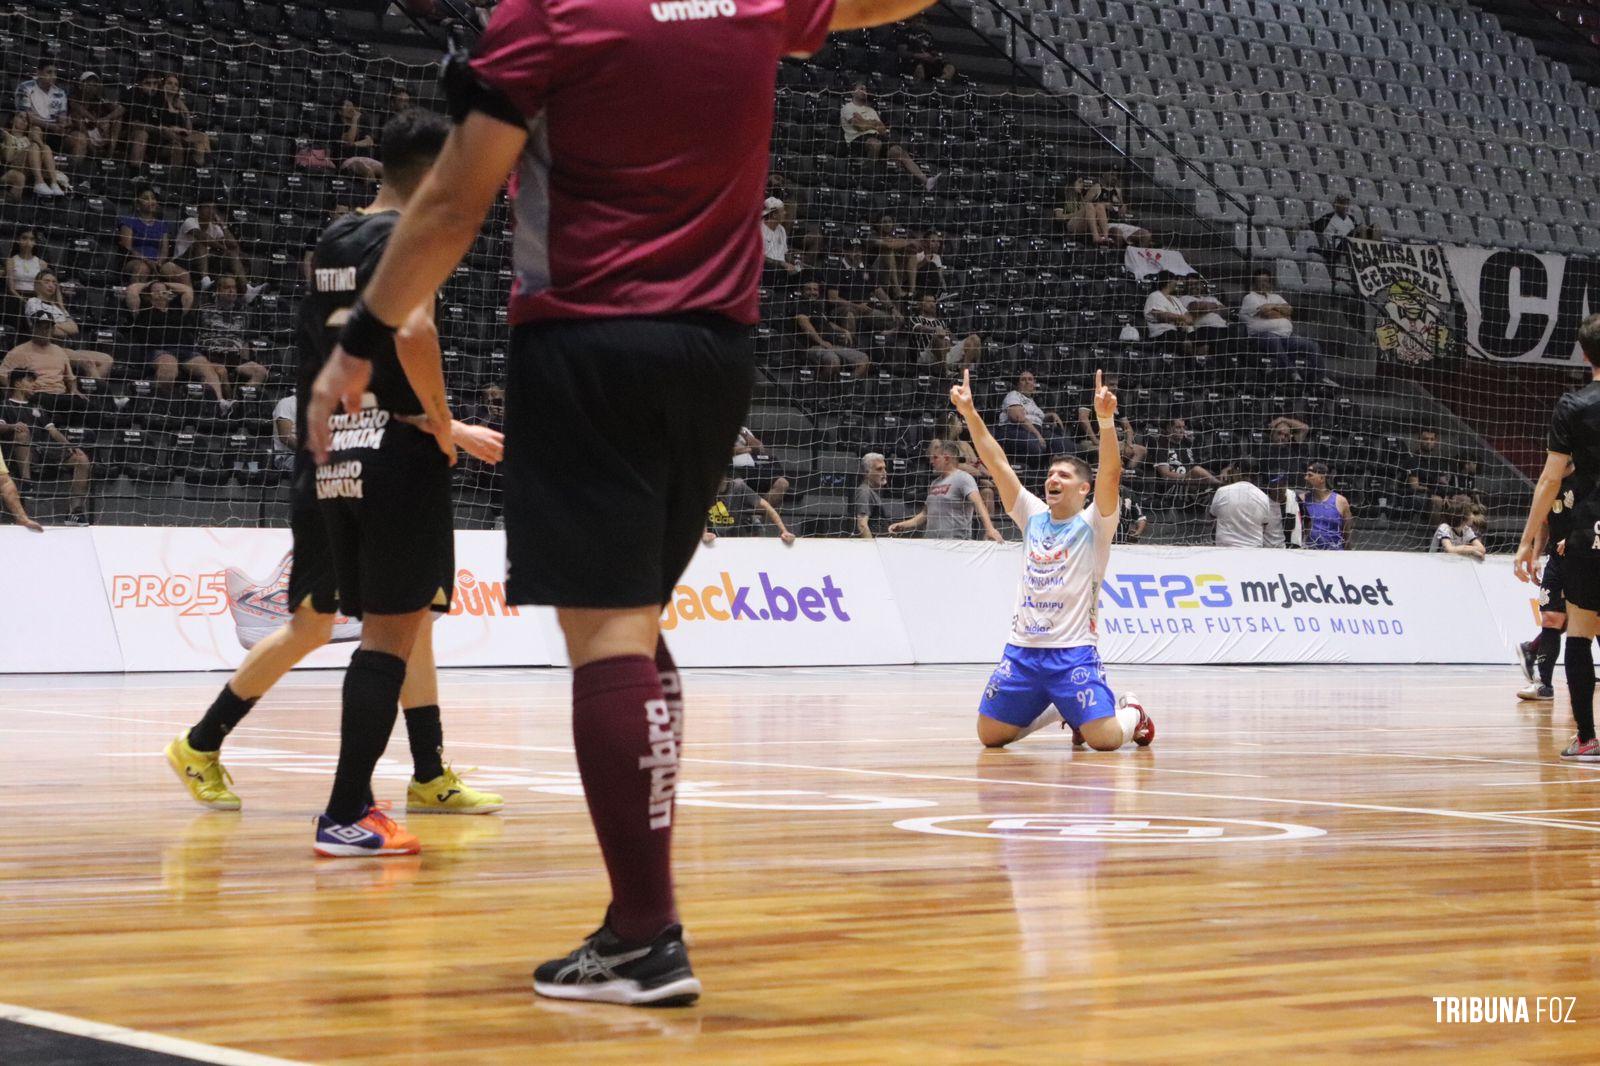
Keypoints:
pixel 1575 438
pixel 1538 656
pixel 399 568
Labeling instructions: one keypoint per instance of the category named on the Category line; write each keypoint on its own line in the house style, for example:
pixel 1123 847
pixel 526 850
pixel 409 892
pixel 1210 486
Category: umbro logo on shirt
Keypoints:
pixel 687 10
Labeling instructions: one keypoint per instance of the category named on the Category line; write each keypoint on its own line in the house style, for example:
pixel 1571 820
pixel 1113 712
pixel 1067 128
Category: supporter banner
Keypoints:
pixel 755 602
pixel 1147 262
pixel 53 616
pixel 1216 605
pixel 1412 285
pixel 197 599
pixel 1523 306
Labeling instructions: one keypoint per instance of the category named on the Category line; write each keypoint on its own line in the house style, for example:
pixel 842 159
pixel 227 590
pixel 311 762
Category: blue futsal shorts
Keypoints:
pixel 1030 679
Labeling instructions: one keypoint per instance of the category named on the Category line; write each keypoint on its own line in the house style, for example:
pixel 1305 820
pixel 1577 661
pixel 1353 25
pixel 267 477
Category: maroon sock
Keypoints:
pixel 671 688
pixel 628 759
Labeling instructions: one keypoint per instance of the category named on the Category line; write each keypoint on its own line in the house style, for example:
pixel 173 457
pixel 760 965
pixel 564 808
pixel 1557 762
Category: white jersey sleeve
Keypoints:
pixel 1024 507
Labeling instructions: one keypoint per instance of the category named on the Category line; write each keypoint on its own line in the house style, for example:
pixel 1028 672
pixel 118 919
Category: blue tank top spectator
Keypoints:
pixel 1327 514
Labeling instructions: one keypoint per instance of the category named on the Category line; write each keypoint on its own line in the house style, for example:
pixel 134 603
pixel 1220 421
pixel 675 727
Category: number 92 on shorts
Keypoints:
pixel 1028 680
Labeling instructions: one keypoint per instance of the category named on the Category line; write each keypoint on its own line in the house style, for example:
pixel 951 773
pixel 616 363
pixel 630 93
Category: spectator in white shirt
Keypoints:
pixel 283 438
pixel 1210 329
pixel 775 240
pixel 1246 516
pixel 1456 535
pixel 1164 316
pixel 865 133
pixel 206 248
pixel 1025 431
pixel 44 101
pixel 1269 319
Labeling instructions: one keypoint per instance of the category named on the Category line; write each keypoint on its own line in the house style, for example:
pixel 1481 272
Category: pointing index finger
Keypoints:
pixel 966 378
pixel 1099 380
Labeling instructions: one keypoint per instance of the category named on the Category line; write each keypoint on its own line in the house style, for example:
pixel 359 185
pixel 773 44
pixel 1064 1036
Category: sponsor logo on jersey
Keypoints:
pixel 693 10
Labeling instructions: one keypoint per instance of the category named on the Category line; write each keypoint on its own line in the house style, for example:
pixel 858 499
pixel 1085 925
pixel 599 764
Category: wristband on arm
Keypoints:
pixel 365 336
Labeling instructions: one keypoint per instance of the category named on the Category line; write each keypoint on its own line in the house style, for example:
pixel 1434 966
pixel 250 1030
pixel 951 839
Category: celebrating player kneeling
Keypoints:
pixel 1051 670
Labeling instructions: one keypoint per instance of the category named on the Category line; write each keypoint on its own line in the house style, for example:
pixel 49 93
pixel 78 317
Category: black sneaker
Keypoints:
pixel 605 970
pixel 1528 658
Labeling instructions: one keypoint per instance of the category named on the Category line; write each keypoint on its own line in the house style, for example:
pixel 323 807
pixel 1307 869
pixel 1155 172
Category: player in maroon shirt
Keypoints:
pixel 639 136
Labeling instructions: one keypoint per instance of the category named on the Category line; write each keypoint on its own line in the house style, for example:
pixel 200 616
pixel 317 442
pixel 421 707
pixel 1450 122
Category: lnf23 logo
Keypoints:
pixel 1071 828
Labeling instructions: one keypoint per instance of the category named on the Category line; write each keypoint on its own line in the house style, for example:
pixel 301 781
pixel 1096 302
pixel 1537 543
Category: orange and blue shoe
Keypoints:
pixel 375 833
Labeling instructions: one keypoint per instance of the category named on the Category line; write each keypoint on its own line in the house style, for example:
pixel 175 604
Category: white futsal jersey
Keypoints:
pixel 1063 564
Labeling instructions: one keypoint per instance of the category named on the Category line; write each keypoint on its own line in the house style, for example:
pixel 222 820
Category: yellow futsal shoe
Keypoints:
pixel 448 794
pixel 203 774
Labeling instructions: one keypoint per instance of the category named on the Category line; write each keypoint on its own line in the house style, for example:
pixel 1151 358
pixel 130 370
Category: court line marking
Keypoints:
pixel 1553 810
pixel 116 1034
pixel 1438 812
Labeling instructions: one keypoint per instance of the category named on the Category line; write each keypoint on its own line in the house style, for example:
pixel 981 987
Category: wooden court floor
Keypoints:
pixel 1305 859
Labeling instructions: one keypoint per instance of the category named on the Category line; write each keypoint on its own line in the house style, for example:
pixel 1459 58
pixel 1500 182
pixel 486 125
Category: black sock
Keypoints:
pixel 1548 646
pixel 225 712
pixel 427 741
pixel 371 698
pixel 1580 684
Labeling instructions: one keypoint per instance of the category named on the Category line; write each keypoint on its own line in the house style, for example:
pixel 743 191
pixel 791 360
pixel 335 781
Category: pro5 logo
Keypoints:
pixel 1175 590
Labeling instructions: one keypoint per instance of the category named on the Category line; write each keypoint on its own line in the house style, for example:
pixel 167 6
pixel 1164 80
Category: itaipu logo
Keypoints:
pixel 759 602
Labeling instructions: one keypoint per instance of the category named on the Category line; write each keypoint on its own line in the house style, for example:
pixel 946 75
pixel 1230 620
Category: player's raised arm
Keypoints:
pixel 1544 497
pixel 1108 477
pixel 989 450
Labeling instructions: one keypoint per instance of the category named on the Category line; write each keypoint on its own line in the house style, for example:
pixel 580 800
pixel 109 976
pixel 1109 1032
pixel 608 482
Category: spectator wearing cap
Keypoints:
pixel 780 264
pixel 100 119
pixel 859 303
pixel 1269 320
pixel 866 134
pixel 1165 320
pixel 44 100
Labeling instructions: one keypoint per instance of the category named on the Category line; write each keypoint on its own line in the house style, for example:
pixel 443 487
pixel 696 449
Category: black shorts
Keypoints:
pixel 618 432
pixel 1580 575
pixel 311 574
pixel 1552 585
pixel 385 499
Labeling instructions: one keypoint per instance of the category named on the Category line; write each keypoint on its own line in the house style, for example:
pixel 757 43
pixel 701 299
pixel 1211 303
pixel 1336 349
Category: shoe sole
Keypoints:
pixel 679 993
pixel 1536 699
pixel 353 851
pixel 1580 758
pixel 490 809
pixel 177 768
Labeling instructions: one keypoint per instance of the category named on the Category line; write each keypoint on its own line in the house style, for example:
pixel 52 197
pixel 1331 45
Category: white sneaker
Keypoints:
pixel 1536 691
pixel 46 191
pixel 62 184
